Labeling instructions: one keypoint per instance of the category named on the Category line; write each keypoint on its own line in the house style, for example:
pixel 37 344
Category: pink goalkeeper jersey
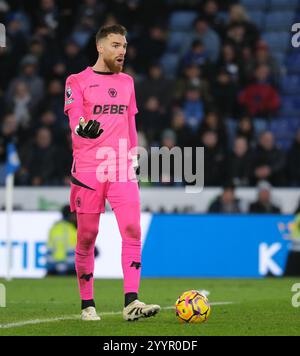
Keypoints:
pixel 108 98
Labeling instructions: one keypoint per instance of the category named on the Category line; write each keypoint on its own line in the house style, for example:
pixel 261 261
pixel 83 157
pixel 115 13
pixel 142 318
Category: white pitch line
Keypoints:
pixel 35 303
pixel 37 321
pixel 75 317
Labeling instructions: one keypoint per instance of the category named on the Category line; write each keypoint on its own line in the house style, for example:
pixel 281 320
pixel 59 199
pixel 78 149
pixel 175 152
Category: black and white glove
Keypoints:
pixel 90 129
pixel 135 165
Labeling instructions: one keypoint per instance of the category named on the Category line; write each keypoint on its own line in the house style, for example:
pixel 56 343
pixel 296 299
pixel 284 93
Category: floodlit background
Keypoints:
pixel 218 74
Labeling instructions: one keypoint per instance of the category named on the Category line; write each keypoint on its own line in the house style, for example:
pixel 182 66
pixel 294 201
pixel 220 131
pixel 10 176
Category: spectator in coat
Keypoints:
pixel 239 163
pixel 193 107
pixel 29 76
pixel 239 28
pixel 41 160
pixel 224 92
pixel 208 36
pixel 214 159
pixel 226 203
pixel 260 98
pixel 245 129
pixel 196 55
pixel 268 161
pixel 192 76
pixel 183 133
pixel 155 84
pixel 212 121
pixel 263 204
pixel 263 56
pixel 293 162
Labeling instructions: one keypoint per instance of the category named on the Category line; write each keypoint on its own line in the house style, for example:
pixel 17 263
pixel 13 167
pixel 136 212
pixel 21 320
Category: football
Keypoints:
pixel 192 307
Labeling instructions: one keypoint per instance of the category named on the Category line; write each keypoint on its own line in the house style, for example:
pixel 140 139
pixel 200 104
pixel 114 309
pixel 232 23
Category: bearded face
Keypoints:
pixel 115 65
pixel 113 50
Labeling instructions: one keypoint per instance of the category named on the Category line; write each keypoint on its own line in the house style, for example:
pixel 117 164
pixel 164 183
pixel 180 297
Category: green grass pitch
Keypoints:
pixel 51 307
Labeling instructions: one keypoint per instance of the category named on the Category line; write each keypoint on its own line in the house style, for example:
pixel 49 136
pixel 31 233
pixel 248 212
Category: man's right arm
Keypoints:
pixel 74 109
pixel 73 102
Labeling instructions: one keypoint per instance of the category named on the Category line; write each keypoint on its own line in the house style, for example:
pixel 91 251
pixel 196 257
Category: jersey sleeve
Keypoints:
pixel 73 101
pixel 132 111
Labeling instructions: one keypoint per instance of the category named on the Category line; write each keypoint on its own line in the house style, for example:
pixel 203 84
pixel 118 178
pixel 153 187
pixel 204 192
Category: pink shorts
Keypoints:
pixel 88 195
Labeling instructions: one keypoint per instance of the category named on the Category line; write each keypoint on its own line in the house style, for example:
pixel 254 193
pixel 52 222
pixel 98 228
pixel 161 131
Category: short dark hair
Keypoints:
pixel 108 29
pixel 229 186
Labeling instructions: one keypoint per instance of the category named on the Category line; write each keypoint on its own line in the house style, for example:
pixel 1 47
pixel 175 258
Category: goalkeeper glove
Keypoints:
pixel 135 164
pixel 90 129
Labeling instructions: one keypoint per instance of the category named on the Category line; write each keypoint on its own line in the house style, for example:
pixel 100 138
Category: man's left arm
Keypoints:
pixel 133 137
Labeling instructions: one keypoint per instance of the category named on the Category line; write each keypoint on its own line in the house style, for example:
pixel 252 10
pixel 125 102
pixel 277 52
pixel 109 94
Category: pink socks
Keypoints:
pixel 85 253
pixel 128 218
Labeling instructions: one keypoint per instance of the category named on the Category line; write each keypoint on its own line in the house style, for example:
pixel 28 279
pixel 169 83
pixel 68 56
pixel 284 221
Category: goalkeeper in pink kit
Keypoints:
pixel 100 103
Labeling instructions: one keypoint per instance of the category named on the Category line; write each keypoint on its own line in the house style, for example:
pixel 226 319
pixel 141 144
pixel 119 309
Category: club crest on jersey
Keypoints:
pixel 112 92
pixel 69 92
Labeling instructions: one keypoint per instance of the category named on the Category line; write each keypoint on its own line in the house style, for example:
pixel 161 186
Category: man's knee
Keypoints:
pixel 86 239
pixel 133 231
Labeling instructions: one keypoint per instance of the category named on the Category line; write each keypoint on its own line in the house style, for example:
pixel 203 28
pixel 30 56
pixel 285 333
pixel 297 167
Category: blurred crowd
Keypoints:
pixel 222 96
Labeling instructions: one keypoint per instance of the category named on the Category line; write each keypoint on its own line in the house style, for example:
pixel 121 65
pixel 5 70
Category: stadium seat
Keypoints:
pixel 297 17
pixel 293 63
pixel 169 63
pixel 287 124
pixel 279 20
pixel 284 131
pixel 257 17
pixel 294 124
pixel 284 143
pixel 290 84
pixel 279 125
pixel 277 41
pixel 254 4
pixel 283 4
pixel 182 20
pixel 279 57
pixel 178 42
pixel 290 105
